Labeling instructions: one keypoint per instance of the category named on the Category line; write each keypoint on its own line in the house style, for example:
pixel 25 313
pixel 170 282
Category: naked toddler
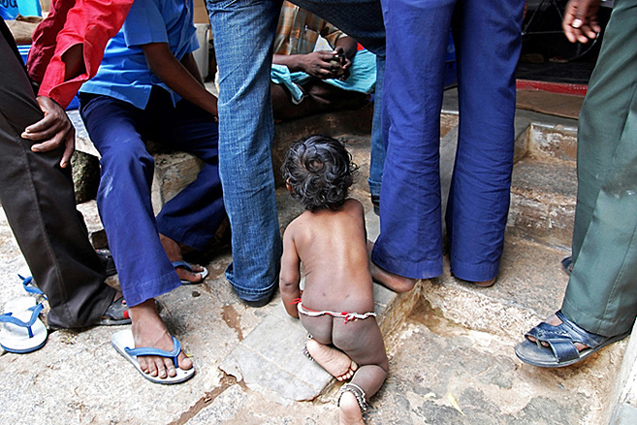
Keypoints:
pixel 336 305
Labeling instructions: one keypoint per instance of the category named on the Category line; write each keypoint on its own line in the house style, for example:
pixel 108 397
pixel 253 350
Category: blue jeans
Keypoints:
pixel 379 134
pixel 243 32
pixel 488 42
pixel 119 131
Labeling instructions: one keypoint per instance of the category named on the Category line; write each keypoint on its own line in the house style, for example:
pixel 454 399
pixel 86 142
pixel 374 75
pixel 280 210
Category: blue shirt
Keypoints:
pixel 123 73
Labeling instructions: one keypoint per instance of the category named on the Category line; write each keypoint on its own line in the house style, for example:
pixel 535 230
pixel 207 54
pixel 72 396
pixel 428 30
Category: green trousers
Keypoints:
pixel 601 296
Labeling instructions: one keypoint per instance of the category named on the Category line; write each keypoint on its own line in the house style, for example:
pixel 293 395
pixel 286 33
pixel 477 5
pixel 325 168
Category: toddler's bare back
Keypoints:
pixel 332 246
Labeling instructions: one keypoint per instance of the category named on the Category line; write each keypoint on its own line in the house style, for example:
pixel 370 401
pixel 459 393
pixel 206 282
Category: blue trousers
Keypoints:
pixel 119 131
pixel 243 32
pixel 487 38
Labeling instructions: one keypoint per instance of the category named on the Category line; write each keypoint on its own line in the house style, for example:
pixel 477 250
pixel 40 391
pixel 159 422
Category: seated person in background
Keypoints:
pixel 148 86
pixel 305 81
pixel 336 305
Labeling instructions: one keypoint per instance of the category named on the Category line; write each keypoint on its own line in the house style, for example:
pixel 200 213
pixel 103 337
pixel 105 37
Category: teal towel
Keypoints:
pixel 362 77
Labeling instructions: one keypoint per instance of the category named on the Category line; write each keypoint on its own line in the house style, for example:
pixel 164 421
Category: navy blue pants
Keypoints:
pixel 119 131
pixel 487 39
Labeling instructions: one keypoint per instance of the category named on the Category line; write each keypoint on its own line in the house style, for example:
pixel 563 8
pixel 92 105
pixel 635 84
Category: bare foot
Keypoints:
pixel 337 363
pixel 350 413
pixel 173 250
pixel 150 331
pixel 555 321
pixel 390 280
pixel 485 283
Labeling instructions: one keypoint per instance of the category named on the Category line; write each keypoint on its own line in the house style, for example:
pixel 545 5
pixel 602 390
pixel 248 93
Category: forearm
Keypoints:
pixel 289 293
pixel 293 62
pixel 189 62
pixel 73 62
pixel 174 74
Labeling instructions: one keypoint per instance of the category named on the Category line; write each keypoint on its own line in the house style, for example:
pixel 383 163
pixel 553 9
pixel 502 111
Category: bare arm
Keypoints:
pixel 175 75
pixel 290 277
pixel 317 64
pixel 580 20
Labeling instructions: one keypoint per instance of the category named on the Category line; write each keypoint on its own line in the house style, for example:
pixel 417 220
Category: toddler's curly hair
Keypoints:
pixel 320 171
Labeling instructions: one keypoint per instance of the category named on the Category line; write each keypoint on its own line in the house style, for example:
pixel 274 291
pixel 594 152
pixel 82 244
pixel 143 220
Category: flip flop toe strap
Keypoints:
pixel 29 285
pixel 36 309
pixel 183 265
pixel 150 351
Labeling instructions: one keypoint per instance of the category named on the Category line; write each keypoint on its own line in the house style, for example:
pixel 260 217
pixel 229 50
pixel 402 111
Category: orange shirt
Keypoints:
pixel 299 29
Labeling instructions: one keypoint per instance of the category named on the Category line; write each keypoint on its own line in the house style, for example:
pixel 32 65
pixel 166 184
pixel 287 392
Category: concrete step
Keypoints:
pixel 554 139
pixel 543 197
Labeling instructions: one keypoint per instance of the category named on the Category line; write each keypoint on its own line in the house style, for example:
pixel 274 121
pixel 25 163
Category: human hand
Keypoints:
pixel 580 20
pixel 322 64
pixel 54 130
pixel 343 62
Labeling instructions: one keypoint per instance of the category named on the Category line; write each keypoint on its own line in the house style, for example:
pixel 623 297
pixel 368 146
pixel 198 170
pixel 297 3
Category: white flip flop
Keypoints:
pixel 124 343
pixel 184 265
pixel 22 331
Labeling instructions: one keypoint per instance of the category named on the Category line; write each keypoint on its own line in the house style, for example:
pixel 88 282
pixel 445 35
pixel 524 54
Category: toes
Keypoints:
pixel 184 361
pixel 148 366
pixel 169 366
pixel 161 367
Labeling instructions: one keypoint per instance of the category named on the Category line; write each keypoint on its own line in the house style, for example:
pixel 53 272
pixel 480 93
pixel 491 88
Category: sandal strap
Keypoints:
pixel 151 351
pixel 358 393
pixel 36 309
pixel 117 310
pixel 562 338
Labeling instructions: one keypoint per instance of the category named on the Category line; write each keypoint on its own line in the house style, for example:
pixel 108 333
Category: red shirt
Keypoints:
pixel 70 22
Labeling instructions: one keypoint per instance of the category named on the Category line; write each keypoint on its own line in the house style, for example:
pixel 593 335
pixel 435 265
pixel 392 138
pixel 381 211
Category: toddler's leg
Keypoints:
pixel 334 361
pixel 363 343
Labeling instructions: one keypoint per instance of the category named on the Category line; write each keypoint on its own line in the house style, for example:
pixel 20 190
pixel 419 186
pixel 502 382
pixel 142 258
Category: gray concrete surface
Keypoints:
pixel 450 344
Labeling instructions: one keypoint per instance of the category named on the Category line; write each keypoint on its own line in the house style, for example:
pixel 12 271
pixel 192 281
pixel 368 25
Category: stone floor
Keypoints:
pixel 450 344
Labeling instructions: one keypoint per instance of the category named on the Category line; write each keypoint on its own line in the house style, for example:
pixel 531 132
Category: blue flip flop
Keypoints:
pixel 123 341
pixel 184 265
pixel 561 350
pixel 22 330
pixel 29 285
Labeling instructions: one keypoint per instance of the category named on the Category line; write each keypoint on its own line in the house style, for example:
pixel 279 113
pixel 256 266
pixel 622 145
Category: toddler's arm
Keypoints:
pixel 290 276
pixel 175 75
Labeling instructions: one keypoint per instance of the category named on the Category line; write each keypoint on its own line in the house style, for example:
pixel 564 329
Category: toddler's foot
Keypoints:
pixel 390 280
pixel 350 411
pixel 334 361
